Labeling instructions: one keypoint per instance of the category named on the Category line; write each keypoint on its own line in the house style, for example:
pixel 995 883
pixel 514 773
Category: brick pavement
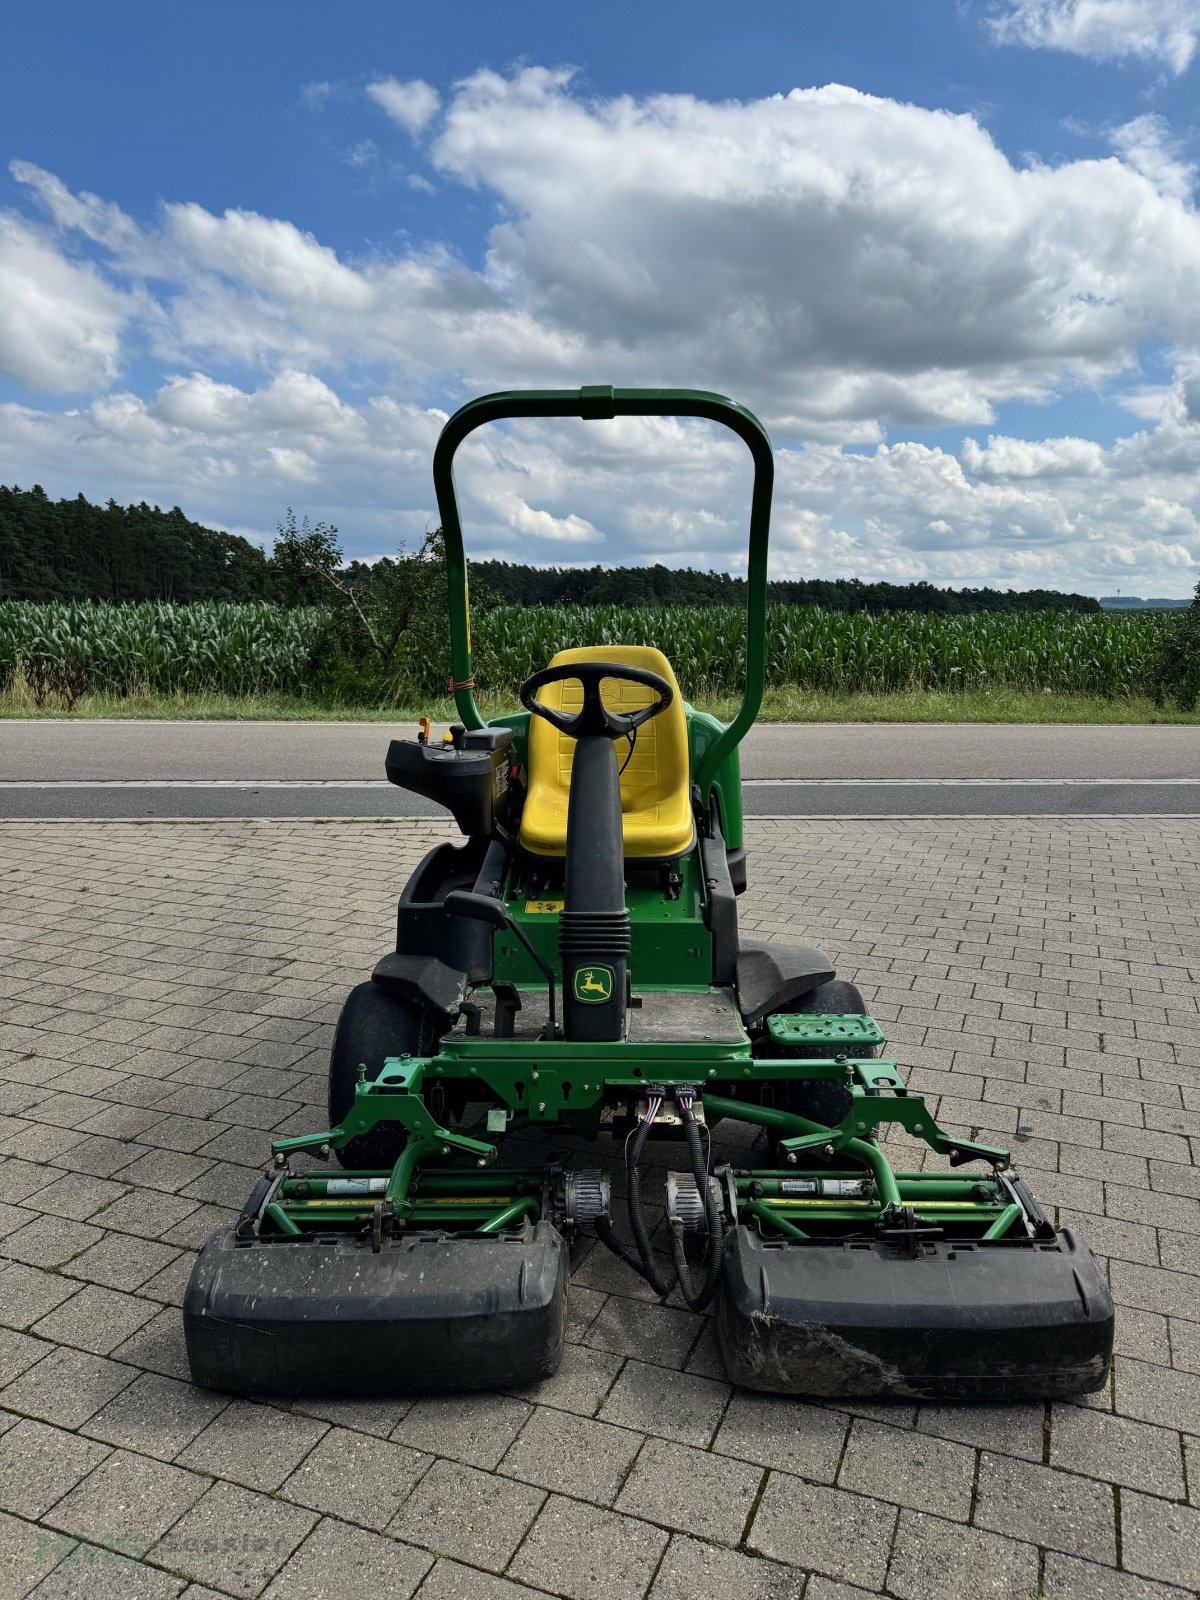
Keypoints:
pixel 166 1001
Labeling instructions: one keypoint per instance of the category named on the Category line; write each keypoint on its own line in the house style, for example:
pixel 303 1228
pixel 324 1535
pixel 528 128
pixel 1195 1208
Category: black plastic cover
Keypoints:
pixel 472 783
pixel 327 1315
pixel 770 976
pixel 958 1322
pixel 422 981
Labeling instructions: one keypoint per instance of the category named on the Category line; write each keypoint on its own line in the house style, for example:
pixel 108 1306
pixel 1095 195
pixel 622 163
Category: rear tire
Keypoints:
pixel 820 1100
pixel 373 1025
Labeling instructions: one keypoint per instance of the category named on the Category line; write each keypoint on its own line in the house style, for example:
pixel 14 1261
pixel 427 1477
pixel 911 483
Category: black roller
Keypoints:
pixel 327 1315
pixel 957 1322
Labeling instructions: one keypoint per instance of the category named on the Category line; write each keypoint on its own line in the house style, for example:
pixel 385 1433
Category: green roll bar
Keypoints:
pixel 600 402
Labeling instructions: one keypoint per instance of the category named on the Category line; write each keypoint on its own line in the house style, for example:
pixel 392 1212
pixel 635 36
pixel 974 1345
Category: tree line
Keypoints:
pixel 73 550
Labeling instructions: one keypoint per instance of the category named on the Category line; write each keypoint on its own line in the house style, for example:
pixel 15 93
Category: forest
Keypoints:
pixel 54 550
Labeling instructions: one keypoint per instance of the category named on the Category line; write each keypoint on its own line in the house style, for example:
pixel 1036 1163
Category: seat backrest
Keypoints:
pixel 655 785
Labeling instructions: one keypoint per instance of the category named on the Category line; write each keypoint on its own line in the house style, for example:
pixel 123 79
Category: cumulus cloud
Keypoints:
pixel 1163 31
pixel 60 322
pixel 843 263
pixel 412 105
pixel 1146 145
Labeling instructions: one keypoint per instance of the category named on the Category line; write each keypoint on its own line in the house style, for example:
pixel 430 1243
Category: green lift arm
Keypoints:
pixel 605 403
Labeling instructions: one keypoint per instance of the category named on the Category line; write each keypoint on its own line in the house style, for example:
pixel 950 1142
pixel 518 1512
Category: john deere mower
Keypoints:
pixel 574 966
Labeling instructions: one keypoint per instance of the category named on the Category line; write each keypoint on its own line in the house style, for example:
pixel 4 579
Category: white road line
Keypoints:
pixel 748 783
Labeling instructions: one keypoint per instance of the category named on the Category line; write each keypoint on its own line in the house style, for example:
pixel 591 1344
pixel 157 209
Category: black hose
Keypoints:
pixel 698 1299
pixel 636 1222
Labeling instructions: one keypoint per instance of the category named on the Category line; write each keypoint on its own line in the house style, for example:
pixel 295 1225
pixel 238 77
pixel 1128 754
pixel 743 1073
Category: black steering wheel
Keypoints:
pixel 594 717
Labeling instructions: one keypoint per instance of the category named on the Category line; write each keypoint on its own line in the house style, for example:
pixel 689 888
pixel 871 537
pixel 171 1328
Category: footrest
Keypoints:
pixel 840 1035
pixel 327 1315
pixel 958 1322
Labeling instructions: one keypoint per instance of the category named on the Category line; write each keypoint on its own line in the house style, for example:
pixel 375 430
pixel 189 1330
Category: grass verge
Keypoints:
pixel 779 705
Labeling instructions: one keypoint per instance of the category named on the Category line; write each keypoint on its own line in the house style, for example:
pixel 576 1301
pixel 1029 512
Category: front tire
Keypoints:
pixel 373 1025
pixel 820 1100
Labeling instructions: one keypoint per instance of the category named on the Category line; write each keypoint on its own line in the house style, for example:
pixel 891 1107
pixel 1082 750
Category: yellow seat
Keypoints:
pixel 656 806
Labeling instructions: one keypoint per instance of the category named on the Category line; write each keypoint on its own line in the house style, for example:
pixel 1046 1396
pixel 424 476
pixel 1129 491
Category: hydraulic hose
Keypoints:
pixel 698 1299
pixel 636 1222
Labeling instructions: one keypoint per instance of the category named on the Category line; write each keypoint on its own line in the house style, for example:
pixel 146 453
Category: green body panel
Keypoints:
pixel 669 944
pixel 704 733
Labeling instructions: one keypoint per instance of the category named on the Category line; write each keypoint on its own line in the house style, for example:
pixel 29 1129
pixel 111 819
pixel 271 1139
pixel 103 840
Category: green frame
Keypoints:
pixel 605 403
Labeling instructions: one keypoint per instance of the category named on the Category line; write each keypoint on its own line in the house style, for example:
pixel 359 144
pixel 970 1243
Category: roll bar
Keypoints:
pixel 600 402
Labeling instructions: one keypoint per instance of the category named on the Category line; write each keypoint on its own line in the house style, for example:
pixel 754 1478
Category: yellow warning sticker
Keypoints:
pixel 537 908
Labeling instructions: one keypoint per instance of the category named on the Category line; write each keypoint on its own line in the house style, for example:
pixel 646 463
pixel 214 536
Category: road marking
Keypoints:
pixel 748 783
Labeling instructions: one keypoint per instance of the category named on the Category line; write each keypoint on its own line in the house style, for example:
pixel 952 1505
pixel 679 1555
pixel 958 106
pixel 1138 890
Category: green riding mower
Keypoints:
pixel 574 966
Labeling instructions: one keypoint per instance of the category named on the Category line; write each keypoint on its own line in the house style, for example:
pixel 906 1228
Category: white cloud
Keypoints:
pixel 1165 31
pixel 1146 145
pixel 842 262
pixel 412 105
pixel 60 321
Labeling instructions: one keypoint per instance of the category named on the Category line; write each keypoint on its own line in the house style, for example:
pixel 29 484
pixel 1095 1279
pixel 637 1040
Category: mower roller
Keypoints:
pixel 575 965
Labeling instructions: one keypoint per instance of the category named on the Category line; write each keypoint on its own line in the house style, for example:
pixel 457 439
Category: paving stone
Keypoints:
pixel 691 1491
pixel 475 1429
pixel 50 1241
pixel 573 1454
pixel 588 1554
pixel 93 1572
pixel 127 1503
pixel 798 1438
pixel 18 1352
pixel 1159 1539
pixel 674 1405
pixel 692 1570
pixel 449 1580
pixel 156 1416
pixel 1068 1578
pixel 354 1476
pixel 653 1333
pixel 27 1554
pixel 255 1445
pixel 581 1382
pixel 158 1347
pixel 1116 1450
pixel 462 1512
pixel 79 1196
pixel 1154 1394
pixel 377 1417
pixel 913 1469
pixel 1011 1430
pixel 28 1293
pixel 841 1535
pixel 338 1562
pixel 66 1387
pixel 1055 1509
pixel 234 1539
pixel 40 1464
pixel 96 1319
pixel 937 1560
pixel 120 1261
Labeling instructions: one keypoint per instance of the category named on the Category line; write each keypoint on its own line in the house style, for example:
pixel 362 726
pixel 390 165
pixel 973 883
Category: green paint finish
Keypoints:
pixel 704 731
pixel 669 944
pixel 850 1034
pixel 599 402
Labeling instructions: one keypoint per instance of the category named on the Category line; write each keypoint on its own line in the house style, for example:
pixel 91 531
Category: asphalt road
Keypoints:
pixel 213 769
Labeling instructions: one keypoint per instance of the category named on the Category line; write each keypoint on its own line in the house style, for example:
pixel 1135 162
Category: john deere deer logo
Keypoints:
pixel 593 985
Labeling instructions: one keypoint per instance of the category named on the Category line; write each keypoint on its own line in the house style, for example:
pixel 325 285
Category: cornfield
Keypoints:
pixel 260 648
pixel 1067 653
pixel 253 648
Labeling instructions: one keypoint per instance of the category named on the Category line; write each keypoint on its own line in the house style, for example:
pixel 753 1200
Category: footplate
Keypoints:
pixel 956 1321
pixel 326 1314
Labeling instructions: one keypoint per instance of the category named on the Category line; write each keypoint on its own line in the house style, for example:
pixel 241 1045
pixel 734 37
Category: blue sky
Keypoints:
pixel 249 256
